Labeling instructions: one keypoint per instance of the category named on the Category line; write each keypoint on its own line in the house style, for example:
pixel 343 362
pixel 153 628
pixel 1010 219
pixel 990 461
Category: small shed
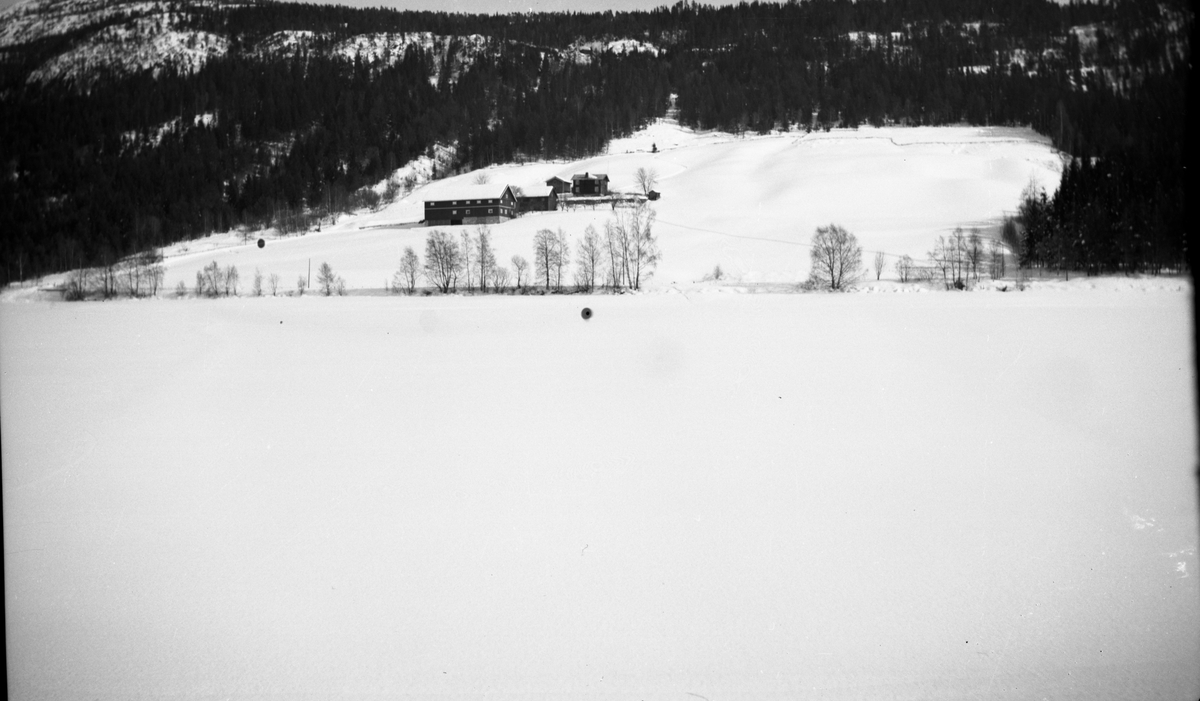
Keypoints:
pixel 653 195
pixel 471 204
pixel 589 184
pixel 542 198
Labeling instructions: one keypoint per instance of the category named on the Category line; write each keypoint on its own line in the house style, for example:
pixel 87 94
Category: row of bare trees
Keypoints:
pixel 622 258
pixel 136 276
pixel 958 260
pixel 962 257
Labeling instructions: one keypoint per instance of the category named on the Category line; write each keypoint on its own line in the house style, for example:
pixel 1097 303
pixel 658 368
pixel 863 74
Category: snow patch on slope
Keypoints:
pixel 383 49
pixel 30 21
pixel 387 49
pixel 153 137
pixel 146 43
pixel 584 51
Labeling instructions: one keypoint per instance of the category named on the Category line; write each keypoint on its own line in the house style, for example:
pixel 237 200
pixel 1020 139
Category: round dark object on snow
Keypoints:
pixel 587 313
pixel 261 243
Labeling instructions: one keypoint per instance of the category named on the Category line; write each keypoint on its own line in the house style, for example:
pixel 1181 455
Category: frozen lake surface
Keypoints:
pixel 732 497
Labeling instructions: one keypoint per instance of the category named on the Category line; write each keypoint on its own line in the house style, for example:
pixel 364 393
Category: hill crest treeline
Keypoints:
pixel 262 134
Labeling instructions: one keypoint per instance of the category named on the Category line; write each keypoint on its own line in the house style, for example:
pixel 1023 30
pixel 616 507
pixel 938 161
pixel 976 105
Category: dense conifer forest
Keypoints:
pixel 259 134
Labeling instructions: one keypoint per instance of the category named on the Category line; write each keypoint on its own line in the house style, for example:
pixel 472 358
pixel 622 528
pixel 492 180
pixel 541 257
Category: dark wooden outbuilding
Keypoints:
pixel 561 186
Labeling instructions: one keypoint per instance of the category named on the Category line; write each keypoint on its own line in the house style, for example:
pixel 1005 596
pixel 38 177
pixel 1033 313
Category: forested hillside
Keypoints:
pixel 124 127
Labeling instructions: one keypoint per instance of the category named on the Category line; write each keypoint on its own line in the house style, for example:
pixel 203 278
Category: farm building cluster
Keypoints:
pixel 493 203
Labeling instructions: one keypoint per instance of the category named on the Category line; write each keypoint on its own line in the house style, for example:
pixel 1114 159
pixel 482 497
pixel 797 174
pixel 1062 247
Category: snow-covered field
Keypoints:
pixel 749 205
pixel 706 495
pixel 694 494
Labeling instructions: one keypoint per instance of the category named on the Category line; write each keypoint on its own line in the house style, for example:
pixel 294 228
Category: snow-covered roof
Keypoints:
pixel 593 176
pixel 489 191
pixel 537 191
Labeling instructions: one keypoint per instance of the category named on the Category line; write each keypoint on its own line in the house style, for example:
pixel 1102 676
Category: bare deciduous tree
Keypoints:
pixel 544 252
pixel 79 284
pixel 442 260
pixel 631 247
pixel 904 268
pixel 301 283
pixel 256 288
pixel 880 261
pixel 499 277
pixel 617 248
pixel 231 280
pixel 974 253
pixel 588 259
pixel 466 259
pixel 836 258
pixel 995 259
pixel 410 267
pixel 646 179
pixel 957 250
pixel 639 223
pixel 154 276
pixel 210 281
pixel 940 260
pixel 273 283
pixel 520 265
pixel 950 257
pixel 106 275
pixel 485 257
pixel 562 256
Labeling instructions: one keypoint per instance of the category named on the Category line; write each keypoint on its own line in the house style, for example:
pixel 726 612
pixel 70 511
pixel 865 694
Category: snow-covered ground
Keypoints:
pixel 699 492
pixel 749 205
pixel 692 495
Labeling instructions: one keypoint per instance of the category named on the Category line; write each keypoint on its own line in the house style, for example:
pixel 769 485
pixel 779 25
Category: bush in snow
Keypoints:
pixel 210 281
pixel 231 280
pixel 79 284
pixel 329 282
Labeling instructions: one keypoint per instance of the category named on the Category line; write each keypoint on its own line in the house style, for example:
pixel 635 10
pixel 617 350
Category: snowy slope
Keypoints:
pixel 750 205
pixel 125 37
pixel 29 21
pixel 726 496
pixel 148 43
